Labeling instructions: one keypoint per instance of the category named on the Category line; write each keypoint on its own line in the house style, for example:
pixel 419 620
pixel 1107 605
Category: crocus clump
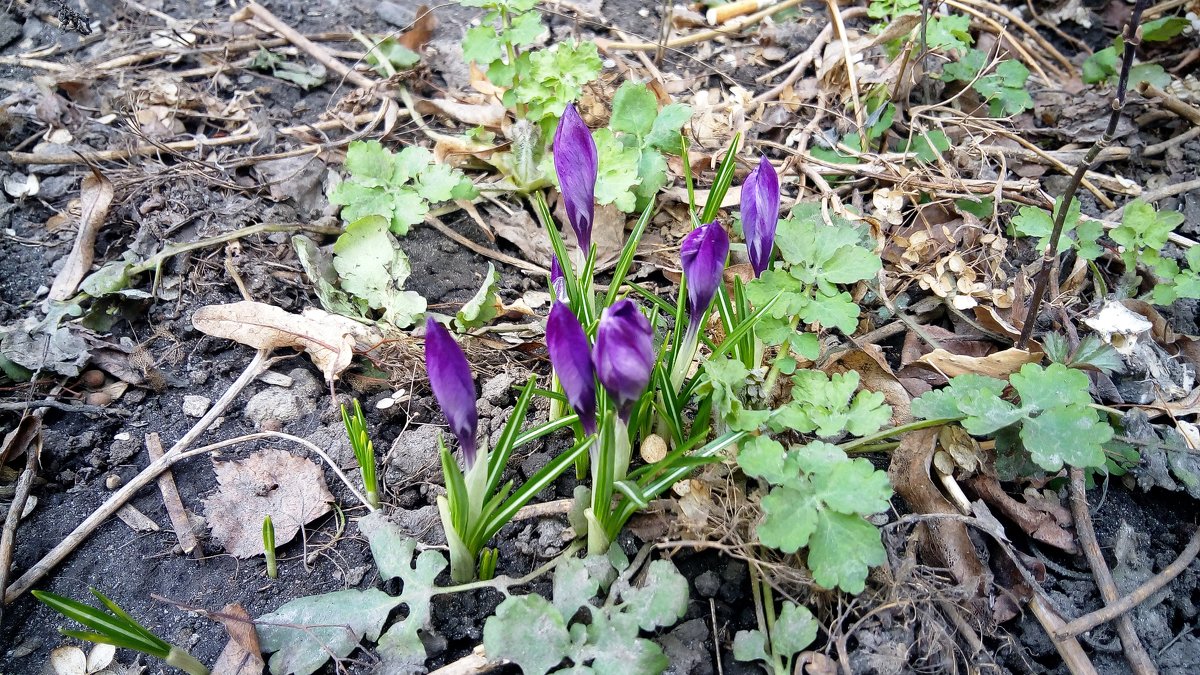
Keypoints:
pixel 760 214
pixel 624 354
pixel 703 255
pixel 453 386
pixel 572 360
pixel 576 163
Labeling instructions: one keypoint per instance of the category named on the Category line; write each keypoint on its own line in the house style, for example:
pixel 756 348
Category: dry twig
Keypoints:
pixel 1135 653
pixel 1138 595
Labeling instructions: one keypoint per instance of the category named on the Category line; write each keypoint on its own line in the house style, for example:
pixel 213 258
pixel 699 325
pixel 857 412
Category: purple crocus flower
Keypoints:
pixel 575 163
pixel 558 285
pixel 572 360
pixel 760 214
pixel 453 387
pixel 624 353
pixel 703 256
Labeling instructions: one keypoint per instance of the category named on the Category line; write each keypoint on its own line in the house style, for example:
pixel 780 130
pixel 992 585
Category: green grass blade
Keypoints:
pixel 743 329
pixel 536 483
pixel 114 627
pixel 627 254
pixel 721 183
pixel 574 293
pixel 498 459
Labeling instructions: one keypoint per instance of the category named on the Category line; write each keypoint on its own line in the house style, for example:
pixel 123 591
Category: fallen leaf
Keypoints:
pixel 418 36
pixel 1000 364
pixel 100 657
pixel 328 339
pixel 875 375
pixel 272 483
pixel 96 193
pixel 944 542
pixel 489 114
pixel 242 655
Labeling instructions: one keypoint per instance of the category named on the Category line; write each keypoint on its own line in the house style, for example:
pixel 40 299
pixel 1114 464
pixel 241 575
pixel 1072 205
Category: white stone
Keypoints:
pixel 195 406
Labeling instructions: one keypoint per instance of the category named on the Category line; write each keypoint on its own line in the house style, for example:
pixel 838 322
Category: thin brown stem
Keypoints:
pixel 1133 38
pixel 1139 660
pixel 1137 596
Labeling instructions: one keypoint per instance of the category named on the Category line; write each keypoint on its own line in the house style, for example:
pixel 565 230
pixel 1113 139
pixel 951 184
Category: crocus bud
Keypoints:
pixel 624 353
pixel 575 163
pixel 760 214
pixel 703 256
pixel 558 285
pixel 572 361
pixel 453 387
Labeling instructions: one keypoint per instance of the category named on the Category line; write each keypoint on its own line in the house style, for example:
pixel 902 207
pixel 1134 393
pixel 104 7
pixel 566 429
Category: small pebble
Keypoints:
pixel 92 379
pixel 195 406
pixel 113 481
pixel 123 436
pixel 277 379
pixel 653 449
pixel 272 425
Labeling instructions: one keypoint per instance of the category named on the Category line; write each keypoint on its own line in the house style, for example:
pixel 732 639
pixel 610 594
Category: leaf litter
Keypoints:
pixel 289 489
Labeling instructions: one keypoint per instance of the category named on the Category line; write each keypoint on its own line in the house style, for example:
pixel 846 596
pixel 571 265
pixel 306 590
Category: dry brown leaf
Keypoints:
pixel 272 483
pixel 608 232
pixel 489 114
pixel 17 441
pixel 242 654
pixel 875 375
pixel 96 195
pixel 990 319
pixel 1000 364
pixel 418 36
pixel 1037 523
pixel 329 339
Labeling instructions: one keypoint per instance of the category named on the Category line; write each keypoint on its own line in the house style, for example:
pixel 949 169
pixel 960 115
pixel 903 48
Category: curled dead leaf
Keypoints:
pixel 96 195
pixel 999 364
pixel 944 541
pixel 328 339
pixel 242 654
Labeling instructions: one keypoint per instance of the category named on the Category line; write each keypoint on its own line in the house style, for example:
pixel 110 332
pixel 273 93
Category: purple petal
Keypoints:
pixel 572 360
pixel 703 256
pixel 575 163
pixel 453 387
pixel 760 214
pixel 558 285
pixel 624 353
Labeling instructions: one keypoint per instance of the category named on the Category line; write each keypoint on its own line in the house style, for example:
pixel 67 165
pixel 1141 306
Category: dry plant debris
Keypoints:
pixel 272 483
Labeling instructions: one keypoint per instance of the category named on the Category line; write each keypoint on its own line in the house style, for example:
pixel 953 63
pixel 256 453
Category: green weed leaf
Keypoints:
pixel 528 631
pixel 634 109
pixel 618 171
pixel 484 305
pixel 305 632
pixel 842 551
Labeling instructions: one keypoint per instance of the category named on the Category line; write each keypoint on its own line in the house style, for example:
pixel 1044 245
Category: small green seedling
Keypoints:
pixel 364 450
pixel 116 627
pixel 269 547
